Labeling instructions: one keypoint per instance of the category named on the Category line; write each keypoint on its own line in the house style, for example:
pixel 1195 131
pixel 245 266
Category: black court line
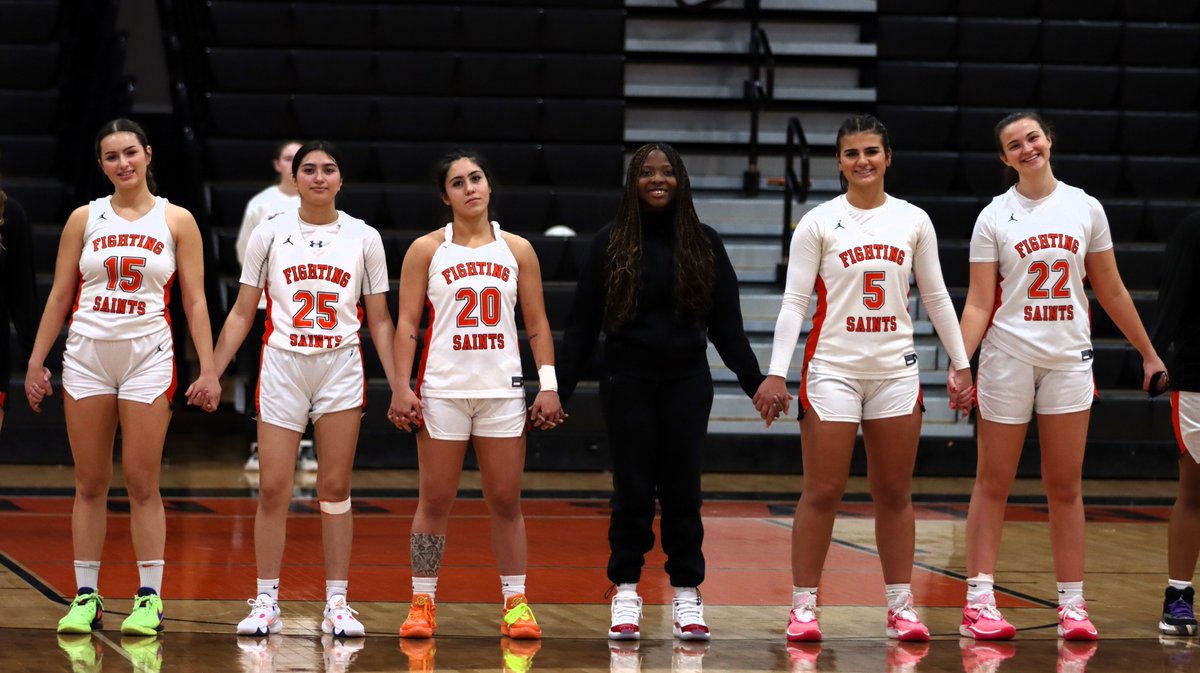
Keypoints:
pixel 945 572
pixel 32 580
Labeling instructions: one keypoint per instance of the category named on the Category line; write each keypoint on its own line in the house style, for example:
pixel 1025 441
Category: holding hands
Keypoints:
pixel 37 387
pixel 961 390
pixel 406 411
pixel 205 392
pixel 772 398
pixel 546 413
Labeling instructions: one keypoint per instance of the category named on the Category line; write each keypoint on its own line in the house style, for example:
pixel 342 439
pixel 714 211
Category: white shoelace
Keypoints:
pixel 626 610
pixel 340 607
pixel 1075 610
pixel 262 602
pixel 807 610
pixel 904 609
pixel 689 612
pixel 987 611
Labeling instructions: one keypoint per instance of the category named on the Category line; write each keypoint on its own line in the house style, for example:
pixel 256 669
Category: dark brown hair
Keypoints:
pixel 129 126
pixel 1010 174
pixel 863 123
pixel 692 273
pixel 442 168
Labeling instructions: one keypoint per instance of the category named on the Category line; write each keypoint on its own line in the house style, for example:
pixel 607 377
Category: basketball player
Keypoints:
pixel 1031 249
pixel 859 253
pixel 277 198
pixel 19 301
pixel 469 386
pixel 117 258
pixel 1177 321
pixel 659 284
pixel 315 264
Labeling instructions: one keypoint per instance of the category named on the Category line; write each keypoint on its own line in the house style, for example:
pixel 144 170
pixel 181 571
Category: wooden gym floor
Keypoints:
pixel 210 573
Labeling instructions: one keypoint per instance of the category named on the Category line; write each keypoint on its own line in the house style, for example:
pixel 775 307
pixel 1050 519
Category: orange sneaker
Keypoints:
pixel 420 655
pixel 518 622
pixel 422 618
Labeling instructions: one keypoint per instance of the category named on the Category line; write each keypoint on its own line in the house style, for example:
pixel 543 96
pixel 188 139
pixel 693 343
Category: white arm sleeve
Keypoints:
pixel 258 252
pixel 250 220
pixel 804 261
pixel 932 288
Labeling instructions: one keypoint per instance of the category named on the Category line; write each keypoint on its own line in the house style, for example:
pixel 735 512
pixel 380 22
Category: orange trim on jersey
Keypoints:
pixel 364 371
pixel 174 379
pixel 425 347
pixel 3 397
pixel 269 326
pixel 75 306
pixel 167 299
pixel 262 352
pixel 810 345
pixel 1175 421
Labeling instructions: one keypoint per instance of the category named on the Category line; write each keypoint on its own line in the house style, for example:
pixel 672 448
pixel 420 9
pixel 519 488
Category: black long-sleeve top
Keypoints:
pixel 1177 317
pixel 659 343
pixel 18 302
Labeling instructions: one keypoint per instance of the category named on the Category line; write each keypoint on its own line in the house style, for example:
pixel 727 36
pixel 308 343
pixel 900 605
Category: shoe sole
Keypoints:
pixel 340 633
pixel 624 635
pixel 1176 629
pixel 136 631
pixel 966 632
pixel 804 637
pixel 689 635
pixel 71 629
pixel 1076 634
pixel 416 633
pixel 908 636
pixel 272 629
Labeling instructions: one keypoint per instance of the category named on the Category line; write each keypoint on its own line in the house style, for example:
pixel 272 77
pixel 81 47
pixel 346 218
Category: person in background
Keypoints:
pixel 660 285
pixel 117 258
pixel 18 303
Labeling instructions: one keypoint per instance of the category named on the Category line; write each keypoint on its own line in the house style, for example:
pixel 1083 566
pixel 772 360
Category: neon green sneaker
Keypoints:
pixel 146 617
pixel 84 652
pixel 145 652
pixel 85 615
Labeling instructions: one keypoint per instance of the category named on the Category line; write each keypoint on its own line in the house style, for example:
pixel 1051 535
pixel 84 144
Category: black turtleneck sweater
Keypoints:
pixel 660 342
pixel 1177 317
pixel 18 301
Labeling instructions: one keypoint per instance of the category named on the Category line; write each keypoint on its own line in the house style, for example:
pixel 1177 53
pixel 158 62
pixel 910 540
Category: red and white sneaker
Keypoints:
pixel 626 613
pixel 903 657
pixel 802 621
pixel 904 624
pixel 982 621
pixel 1073 622
pixel 1073 656
pixel 802 657
pixel 984 657
pixel 688 618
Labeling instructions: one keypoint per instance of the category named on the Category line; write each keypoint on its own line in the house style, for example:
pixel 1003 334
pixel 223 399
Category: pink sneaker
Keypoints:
pixel 802 657
pixel 984 657
pixel 983 621
pixel 802 622
pixel 1073 656
pixel 904 624
pixel 1073 622
pixel 904 657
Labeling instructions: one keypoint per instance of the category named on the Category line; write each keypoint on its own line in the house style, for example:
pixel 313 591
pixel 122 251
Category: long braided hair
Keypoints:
pixel 693 277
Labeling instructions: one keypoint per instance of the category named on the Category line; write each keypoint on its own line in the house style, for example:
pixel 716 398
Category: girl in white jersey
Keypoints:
pixel 1036 243
pixel 471 275
pixel 315 264
pixel 117 259
pixel 858 253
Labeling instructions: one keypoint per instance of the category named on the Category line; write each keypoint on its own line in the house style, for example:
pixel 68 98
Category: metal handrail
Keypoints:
pixel 758 95
pixel 794 187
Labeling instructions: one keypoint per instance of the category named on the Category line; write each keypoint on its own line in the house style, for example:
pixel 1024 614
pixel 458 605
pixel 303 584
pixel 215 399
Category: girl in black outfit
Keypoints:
pixel 660 285
pixel 18 301
pixel 1177 322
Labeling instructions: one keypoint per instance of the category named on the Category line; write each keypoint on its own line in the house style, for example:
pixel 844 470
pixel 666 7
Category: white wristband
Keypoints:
pixel 548 379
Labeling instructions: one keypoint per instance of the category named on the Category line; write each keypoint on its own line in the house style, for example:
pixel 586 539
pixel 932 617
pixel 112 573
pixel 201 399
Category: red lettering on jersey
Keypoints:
pixel 872 251
pixel 1046 241
pixel 1052 313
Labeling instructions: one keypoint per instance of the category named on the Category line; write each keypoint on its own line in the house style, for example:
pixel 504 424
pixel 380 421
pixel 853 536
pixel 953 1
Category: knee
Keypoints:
pixel 992 487
pixel 1060 491
pixel 506 506
pixel 436 503
pixel 892 497
pixel 92 487
pixel 333 490
pixel 822 496
pixel 274 496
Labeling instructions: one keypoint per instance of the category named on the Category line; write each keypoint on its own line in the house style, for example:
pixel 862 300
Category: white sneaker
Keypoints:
pixel 624 658
pixel 626 613
pixel 263 619
pixel 306 460
pixel 340 620
pixel 339 654
pixel 688 617
pixel 252 462
pixel 258 652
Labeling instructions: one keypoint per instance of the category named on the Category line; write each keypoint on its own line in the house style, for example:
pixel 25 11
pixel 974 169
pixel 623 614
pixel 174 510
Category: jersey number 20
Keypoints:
pixel 485 304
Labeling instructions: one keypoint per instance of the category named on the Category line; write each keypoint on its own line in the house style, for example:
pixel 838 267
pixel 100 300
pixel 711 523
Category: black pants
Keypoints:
pixel 656 430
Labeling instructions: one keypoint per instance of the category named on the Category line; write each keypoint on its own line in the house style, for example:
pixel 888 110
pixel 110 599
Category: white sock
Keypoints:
pixel 425 585
pixel 336 588
pixel 627 590
pixel 800 595
pixel 895 594
pixel 511 585
pixel 150 575
pixel 1069 591
pixel 979 586
pixel 87 574
pixel 1179 584
pixel 269 587
pixel 687 594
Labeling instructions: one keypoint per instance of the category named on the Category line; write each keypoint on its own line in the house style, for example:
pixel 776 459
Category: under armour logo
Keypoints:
pixel 316 244
pixel 1012 218
pixel 287 241
pixel 839 225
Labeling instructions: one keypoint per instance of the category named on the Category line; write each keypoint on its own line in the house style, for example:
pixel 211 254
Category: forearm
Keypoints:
pixel 201 331
pixel 541 342
pixel 383 336
pixel 237 326
pixel 58 306
pixel 404 349
pixel 1119 307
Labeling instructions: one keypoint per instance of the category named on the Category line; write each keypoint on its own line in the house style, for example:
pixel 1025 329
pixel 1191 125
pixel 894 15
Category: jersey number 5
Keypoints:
pixel 125 273
pixel 323 302
pixel 485 304
pixel 873 289
pixel 1041 272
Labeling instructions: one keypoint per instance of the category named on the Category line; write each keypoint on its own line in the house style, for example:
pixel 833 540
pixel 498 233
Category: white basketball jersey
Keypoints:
pixel 861 326
pixel 313 286
pixel 471 344
pixel 1039 246
pixel 125 270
